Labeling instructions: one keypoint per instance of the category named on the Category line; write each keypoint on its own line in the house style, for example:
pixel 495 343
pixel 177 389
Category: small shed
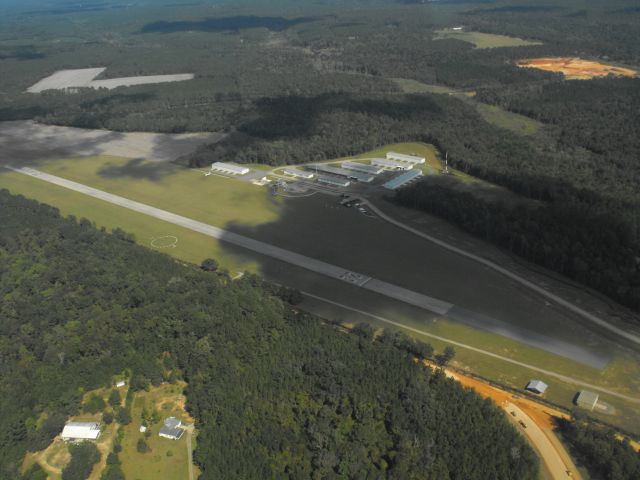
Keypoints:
pixel 120 383
pixel 143 429
pixel 587 399
pixel 537 386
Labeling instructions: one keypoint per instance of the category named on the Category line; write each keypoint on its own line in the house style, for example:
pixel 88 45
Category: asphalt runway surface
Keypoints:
pixel 340 273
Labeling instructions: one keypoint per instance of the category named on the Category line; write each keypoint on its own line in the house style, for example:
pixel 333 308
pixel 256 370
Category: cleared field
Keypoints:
pixel 85 78
pixel 408 85
pixel 483 40
pixel 53 142
pixel 66 78
pixel 576 68
pixel 510 121
pixel 167 459
pixel 149 232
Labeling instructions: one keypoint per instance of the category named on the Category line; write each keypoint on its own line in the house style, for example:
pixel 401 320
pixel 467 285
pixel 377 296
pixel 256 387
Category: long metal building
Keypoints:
pixel 405 158
pixel 350 174
pixel 361 167
pixel 229 168
pixel 334 181
pixel 294 172
pixel 403 179
pixel 390 164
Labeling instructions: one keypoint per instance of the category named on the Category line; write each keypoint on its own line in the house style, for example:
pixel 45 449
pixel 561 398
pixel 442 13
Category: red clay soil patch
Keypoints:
pixel 576 68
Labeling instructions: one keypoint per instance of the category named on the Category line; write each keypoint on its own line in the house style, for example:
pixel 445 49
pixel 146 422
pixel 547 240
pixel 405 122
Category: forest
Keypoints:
pixel 588 246
pixel 275 391
pixel 604 455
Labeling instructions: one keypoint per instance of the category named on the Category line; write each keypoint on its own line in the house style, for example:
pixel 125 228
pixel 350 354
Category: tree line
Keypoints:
pixel 275 392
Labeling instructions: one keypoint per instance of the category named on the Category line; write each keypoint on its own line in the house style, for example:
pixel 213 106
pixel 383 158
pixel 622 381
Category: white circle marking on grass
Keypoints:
pixel 164 241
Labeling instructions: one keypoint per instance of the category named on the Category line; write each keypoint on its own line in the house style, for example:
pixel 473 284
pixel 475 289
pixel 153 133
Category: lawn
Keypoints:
pixel 510 121
pixel 214 199
pixel 167 459
pixel 411 86
pixel 191 246
pixel 484 40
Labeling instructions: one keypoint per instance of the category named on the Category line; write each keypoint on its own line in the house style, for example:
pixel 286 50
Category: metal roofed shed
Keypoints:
pixel 361 167
pixel 537 386
pixel 405 158
pixel 390 164
pixel 294 172
pixel 81 431
pixel 350 174
pixel 229 168
pixel 336 182
pixel 403 179
pixel 587 399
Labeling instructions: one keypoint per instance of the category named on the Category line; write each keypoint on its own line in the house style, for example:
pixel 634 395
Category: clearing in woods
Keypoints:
pixel 483 40
pixel 576 68
pixel 166 459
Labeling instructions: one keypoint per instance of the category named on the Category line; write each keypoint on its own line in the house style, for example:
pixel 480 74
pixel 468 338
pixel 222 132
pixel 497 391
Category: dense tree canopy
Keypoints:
pixel 275 392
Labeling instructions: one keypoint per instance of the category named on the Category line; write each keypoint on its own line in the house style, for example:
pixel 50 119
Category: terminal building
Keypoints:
pixel 390 164
pixel 334 181
pixel 350 174
pixel 229 168
pixel 403 179
pixel 361 167
pixel 401 157
pixel 294 172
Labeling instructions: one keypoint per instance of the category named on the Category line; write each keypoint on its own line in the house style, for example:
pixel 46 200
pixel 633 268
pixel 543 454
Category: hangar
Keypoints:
pixel 336 182
pixel 229 168
pixel 361 167
pixel 294 172
pixel 390 164
pixel 350 174
pixel 401 157
pixel 403 179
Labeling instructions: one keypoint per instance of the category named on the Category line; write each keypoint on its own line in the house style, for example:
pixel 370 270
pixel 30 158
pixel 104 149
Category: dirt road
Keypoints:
pixel 535 421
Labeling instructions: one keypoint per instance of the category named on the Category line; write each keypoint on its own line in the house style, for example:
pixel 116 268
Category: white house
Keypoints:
pixel 172 429
pixel 80 431
pixel 120 383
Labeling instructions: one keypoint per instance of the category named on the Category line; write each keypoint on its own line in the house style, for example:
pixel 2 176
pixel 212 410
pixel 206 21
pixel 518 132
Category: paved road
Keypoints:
pixel 532 286
pixel 550 373
pixel 540 441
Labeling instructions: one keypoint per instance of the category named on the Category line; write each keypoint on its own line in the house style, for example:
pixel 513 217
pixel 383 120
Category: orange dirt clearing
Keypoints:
pixel 576 68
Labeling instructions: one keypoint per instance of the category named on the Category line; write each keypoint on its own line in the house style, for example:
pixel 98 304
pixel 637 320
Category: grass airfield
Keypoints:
pixel 348 239
pixel 483 40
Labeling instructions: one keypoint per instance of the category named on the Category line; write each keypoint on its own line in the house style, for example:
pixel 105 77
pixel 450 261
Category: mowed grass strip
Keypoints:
pixel 621 374
pixel 509 121
pixel 191 246
pixel 484 40
pixel 213 200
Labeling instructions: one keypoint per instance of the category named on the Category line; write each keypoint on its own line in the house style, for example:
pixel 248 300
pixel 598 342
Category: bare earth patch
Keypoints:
pixel 576 68
pixel 85 77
